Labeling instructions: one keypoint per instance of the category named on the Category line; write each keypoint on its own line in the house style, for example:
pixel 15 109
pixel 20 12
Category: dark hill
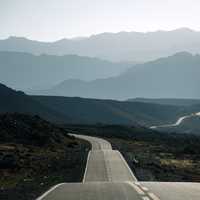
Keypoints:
pixel 74 110
pixel 17 101
pixel 30 130
pixel 167 101
pixel 90 111
pixel 36 155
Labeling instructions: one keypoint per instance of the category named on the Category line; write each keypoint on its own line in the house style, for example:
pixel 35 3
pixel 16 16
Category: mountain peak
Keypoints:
pixel 16 38
pixel 183 54
pixel 184 29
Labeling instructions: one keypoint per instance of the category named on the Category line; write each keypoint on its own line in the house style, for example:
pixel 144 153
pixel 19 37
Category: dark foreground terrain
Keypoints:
pixel 152 156
pixel 35 155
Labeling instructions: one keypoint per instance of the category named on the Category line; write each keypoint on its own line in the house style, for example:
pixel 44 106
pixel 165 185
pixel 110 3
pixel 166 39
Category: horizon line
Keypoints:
pixel 78 38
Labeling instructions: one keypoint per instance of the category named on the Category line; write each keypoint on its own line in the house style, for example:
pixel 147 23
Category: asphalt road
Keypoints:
pixel 105 164
pixel 94 191
pixel 108 177
pixel 174 191
pixel 97 143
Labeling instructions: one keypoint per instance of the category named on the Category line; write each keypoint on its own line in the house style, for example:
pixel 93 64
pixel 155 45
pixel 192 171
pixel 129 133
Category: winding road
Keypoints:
pixel 178 122
pixel 108 177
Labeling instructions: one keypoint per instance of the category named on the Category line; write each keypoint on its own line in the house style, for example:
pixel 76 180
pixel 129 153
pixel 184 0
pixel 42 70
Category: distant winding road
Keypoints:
pixel 108 177
pixel 178 122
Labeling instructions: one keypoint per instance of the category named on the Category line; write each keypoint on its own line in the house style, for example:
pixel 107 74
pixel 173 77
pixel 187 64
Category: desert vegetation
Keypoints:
pixel 35 155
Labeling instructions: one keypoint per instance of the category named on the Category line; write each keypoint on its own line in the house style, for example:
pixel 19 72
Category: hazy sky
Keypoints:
pixel 50 20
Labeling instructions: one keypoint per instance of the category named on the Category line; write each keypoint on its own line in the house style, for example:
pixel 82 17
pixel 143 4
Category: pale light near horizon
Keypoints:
pixel 50 20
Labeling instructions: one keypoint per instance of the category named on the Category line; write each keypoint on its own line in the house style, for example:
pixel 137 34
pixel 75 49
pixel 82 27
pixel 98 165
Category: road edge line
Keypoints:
pixel 86 167
pixel 50 190
pixel 127 166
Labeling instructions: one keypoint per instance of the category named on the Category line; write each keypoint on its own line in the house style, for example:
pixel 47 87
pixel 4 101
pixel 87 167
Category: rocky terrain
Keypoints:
pixel 35 155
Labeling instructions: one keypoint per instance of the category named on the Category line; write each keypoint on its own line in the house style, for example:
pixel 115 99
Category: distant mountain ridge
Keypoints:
pixel 168 101
pixel 25 70
pixel 175 76
pixel 122 46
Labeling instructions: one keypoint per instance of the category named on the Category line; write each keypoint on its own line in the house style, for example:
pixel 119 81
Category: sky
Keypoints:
pixel 50 20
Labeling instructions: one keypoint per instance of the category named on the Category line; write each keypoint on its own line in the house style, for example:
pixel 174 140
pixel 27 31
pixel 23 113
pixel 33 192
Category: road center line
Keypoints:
pixel 137 189
pixel 144 188
pixel 153 196
pixel 145 198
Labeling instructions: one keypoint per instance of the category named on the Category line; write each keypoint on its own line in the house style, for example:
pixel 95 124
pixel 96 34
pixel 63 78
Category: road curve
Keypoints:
pixel 108 177
pixel 105 164
pixel 94 191
pixel 177 123
pixel 97 143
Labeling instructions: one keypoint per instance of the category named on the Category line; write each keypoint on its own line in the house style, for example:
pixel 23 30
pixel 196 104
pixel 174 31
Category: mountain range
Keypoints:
pixel 168 101
pixel 122 46
pixel 176 76
pixel 25 70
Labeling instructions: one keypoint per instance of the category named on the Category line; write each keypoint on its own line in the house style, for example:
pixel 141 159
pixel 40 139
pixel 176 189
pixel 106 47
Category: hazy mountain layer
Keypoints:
pixel 167 101
pixel 176 76
pixel 122 46
pixel 24 70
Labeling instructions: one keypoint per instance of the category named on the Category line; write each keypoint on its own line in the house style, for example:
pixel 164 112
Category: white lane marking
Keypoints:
pixel 145 198
pixel 137 183
pixel 144 188
pixel 50 190
pixel 86 168
pixel 134 178
pixel 107 164
pixel 153 196
pixel 137 189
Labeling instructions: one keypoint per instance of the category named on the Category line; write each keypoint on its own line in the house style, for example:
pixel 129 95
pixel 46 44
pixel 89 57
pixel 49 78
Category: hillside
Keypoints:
pixel 167 101
pixel 30 130
pixel 176 76
pixel 74 110
pixel 25 71
pixel 189 125
pixel 122 46
pixel 35 155
pixel 79 110
pixel 16 101
pixel 91 111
